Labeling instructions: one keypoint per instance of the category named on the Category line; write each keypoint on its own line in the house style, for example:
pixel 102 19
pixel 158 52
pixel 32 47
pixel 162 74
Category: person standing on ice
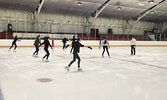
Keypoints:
pixel 64 42
pixel 99 43
pixel 133 46
pixel 14 43
pixel 46 45
pixel 36 44
pixel 76 50
pixel 73 41
pixel 105 45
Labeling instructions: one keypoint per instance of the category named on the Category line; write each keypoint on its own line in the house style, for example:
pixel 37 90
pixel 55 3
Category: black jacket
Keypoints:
pixel 46 44
pixel 37 41
pixel 15 40
pixel 77 46
pixel 73 40
pixel 64 40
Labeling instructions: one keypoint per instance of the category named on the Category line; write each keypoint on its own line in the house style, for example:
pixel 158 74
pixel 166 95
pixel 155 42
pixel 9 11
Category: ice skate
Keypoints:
pixel 67 68
pixel 33 55
pixel 46 60
pixel 79 69
pixel 36 56
pixel 42 59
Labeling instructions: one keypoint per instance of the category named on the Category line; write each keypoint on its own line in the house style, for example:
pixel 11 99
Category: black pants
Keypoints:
pixel 105 48
pixel 12 46
pixel 133 50
pixel 75 56
pixel 37 50
pixel 64 45
pixel 72 48
pixel 47 54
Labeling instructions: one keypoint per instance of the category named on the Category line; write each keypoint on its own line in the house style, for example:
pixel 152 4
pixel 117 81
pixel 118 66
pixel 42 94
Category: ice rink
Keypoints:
pixel 121 77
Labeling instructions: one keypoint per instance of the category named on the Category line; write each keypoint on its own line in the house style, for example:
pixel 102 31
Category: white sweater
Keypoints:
pixel 133 41
pixel 105 44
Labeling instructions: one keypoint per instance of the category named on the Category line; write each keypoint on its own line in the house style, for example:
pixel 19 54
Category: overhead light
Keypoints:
pixel 141 4
pixel 119 8
pixel 151 1
pixel 152 12
pixel 79 3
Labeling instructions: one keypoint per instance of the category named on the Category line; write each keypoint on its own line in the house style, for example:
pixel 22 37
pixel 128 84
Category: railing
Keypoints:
pixel 84 36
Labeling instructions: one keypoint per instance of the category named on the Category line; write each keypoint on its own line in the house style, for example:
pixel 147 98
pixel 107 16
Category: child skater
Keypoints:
pixel 133 46
pixel 14 43
pixel 46 45
pixel 76 50
pixel 105 45
pixel 36 44
pixel 73 41
pixel 64 42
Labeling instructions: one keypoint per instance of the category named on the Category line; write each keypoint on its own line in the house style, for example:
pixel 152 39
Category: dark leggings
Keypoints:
pixel 12 46
pixel 47 53
pixel 72 48
pixel 75 56
pixel 64 45
pixel 133 50
pixel 105 47
pixel 37 50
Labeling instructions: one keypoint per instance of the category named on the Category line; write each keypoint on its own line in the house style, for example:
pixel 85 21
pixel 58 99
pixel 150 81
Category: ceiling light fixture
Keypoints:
pixel 151 1
pixel 119 8
pixel 79 3
pixel 141 4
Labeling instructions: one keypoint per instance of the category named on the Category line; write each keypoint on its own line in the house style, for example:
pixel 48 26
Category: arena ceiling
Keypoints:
pixel 129 8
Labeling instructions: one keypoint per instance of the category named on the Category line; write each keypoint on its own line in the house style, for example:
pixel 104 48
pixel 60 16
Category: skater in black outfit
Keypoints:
pixel 36 44
pixel 73 41
pixel 14 43
pixel 46 45
pixel 76 50
pixel 105 44
pixel 133 46
pixel 64 42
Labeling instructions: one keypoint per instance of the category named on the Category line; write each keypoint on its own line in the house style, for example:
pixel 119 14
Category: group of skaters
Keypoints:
pixel 76 44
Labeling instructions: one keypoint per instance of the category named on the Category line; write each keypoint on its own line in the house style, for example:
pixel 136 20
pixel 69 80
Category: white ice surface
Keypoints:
pixel 121 77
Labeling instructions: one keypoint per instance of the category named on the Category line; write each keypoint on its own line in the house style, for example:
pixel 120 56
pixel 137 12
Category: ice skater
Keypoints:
pixel 99 43
pixel 46 45
pixel 133 46
pixel 36 44
pixel 76 50
pixel 73 41
pixel 105 45
pixel 64 42
pixel 14 43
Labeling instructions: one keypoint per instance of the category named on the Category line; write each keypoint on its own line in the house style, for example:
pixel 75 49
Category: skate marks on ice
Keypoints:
pixel 83 56
pixel 141 63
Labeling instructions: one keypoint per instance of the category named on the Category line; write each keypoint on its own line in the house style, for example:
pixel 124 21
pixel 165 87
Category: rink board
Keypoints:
pixel 93 43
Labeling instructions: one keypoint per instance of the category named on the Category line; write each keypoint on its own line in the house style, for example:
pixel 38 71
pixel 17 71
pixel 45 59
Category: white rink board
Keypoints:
pixel 4 42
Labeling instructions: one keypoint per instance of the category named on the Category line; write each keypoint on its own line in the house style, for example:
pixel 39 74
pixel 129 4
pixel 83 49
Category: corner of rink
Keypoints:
pixel 1 96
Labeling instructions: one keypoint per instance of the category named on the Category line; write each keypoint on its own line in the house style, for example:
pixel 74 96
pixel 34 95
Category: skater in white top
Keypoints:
pixel 105 45
pixel 133 46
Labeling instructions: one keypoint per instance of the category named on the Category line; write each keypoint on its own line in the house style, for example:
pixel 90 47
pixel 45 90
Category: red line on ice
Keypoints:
pixel 142 63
